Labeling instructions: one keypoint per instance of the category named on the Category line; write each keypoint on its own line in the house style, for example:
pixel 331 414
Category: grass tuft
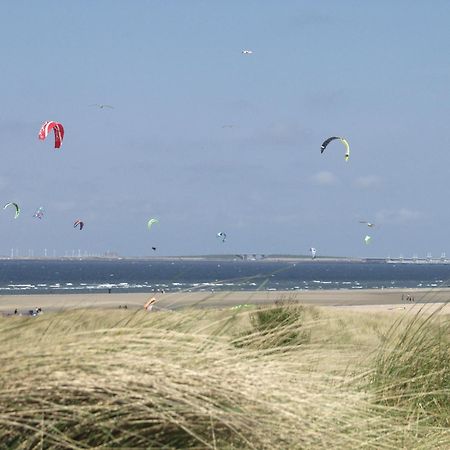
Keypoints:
pixel 282 325
pixel 412 368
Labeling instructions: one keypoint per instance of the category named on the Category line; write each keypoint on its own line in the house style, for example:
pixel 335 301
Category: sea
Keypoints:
pixel 184 275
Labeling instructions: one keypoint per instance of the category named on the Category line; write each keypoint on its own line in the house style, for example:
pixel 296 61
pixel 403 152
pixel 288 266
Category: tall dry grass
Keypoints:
pixel 412 369
pixel 288 377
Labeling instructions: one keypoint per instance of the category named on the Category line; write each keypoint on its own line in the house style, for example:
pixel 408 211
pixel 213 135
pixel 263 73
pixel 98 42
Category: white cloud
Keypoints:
pixel 399 216
pixel 368 181
pixel 324 178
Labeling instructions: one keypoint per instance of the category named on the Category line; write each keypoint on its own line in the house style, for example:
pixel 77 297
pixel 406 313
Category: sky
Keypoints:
pixel 207 139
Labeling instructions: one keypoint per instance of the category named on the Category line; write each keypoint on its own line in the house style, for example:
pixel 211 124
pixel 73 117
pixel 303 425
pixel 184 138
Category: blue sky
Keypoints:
pixel 377 73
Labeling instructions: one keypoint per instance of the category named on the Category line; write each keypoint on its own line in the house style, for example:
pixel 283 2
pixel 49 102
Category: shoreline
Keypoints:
pixel 376 299
pixel 240 257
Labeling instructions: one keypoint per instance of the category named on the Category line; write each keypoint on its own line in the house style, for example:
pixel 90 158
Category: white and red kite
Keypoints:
pixel 56 127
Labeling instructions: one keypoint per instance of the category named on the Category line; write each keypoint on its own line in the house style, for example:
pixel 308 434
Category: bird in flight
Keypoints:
pixel 369 224
pixel 247 52
pixel 101 106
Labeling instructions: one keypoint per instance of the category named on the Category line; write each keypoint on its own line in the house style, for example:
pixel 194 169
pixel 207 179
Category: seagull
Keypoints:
pixel 247 52
pixel 369 224
pixel 101 106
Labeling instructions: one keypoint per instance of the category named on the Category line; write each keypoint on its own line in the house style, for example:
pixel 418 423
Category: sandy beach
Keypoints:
pixel 370 299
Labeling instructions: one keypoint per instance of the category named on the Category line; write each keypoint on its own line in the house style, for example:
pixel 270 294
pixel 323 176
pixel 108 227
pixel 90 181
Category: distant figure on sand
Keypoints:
pixel 35 312
pixel 149 305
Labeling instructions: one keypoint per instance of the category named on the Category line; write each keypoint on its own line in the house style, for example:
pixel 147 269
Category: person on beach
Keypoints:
pixel 149 305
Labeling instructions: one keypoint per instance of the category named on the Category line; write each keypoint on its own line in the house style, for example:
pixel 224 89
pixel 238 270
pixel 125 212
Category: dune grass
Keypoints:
pixel 412 370
pixel 287 377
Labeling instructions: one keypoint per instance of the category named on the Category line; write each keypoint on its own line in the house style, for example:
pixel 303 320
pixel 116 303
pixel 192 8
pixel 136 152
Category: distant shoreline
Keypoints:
pixel 237 258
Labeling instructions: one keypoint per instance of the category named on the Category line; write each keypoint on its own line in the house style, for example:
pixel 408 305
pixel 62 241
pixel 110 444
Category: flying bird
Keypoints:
pixel 101 106
pixel 369 224
pixel 247 52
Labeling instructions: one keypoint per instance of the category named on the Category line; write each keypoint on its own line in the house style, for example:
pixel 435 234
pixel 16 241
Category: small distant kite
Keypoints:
pixel 151 222
pixel 247 52
pixel 101 106
pixel 343 140
pixel 369 224
pixel 150 304
pixel 39 213
pixel 78 223
pixel 16 206
pixel 221 235
pixel 313 252
pixel 56 127
pixel 367 239
pixel 154 249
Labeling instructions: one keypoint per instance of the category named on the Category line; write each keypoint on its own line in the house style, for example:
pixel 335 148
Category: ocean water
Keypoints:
pixel 81 276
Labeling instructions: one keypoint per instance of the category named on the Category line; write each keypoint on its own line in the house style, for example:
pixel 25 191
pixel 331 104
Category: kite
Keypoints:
pixel 344 141
pixel 78 223
pixel 222 236
pixel 56 127
pixel 367 239
pixel 313 252
pixel 151 222
pixel 39 213
pixel 154 249
pixel 150 304
pixel 247 52
pixel 15 206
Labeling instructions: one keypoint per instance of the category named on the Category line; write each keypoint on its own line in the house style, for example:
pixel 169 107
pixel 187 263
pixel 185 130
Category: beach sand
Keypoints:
pixel 363 299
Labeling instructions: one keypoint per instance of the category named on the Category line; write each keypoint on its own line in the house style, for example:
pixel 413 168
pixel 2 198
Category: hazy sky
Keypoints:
pixel 207 139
